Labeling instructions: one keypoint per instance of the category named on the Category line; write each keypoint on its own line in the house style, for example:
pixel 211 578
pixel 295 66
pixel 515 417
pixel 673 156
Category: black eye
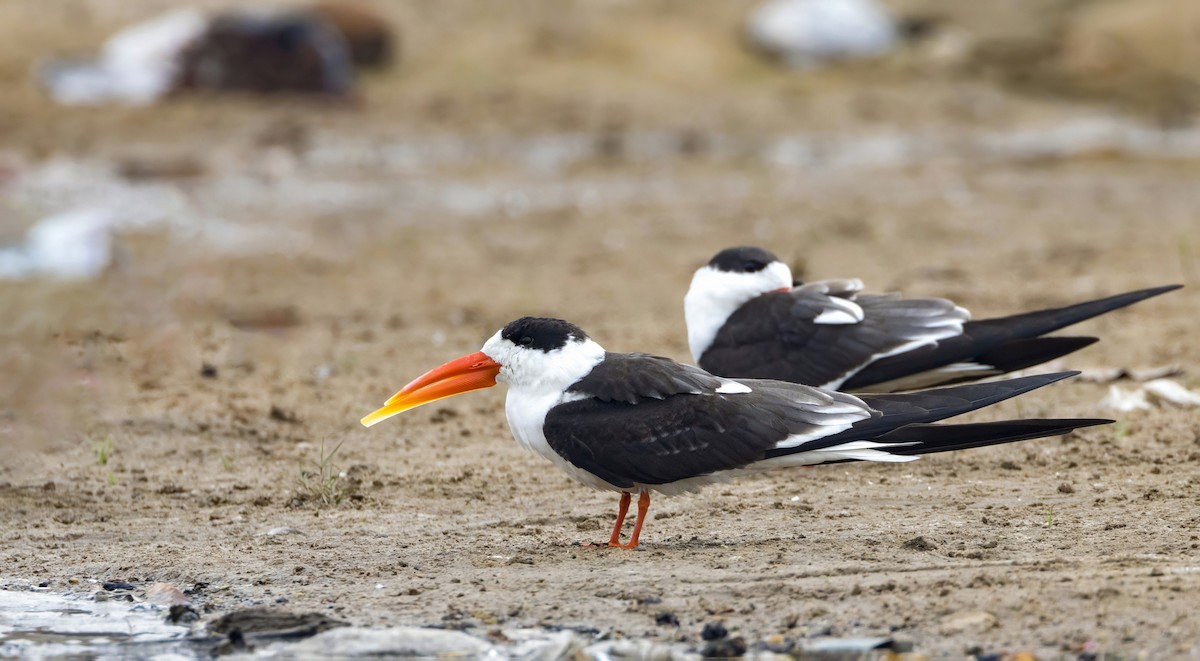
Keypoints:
pixel 526 340
pixel 752 266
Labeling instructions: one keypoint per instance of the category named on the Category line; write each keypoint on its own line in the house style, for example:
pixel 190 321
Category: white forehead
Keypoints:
pixel 524 367
pixel 739 284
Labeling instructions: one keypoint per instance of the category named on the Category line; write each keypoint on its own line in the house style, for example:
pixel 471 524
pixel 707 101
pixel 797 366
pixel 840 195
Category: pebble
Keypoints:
pixel 395 642
pixel 117 585
pixel 724 648
pixel 714 631
pixel 919 544
pixel 666 619
pixel 182 614
pixel 968 621
pixel 779 644
pixel 165 594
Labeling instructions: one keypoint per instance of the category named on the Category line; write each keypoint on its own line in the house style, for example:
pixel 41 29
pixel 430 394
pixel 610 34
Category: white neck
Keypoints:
pixel 537 382
pixel 715 295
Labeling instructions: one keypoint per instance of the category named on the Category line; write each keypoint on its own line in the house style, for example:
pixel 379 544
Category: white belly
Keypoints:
pixel 526 419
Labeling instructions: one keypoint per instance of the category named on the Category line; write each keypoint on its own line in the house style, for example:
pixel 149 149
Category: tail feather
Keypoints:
pixel 1008 357
pixel 902 409
pixel 1018 354
pixel 988 339
pixel 928 439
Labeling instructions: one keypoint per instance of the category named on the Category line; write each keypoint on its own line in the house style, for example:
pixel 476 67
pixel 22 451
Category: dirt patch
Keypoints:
pixel 191 417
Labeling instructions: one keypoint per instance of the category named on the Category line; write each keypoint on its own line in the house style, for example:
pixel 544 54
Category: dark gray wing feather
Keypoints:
pixel 777 335
pixel 634 377
pixel 649 420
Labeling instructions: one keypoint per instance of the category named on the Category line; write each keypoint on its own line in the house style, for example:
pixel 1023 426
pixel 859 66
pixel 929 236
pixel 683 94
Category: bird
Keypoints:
pixel 636 423
pixel 747 318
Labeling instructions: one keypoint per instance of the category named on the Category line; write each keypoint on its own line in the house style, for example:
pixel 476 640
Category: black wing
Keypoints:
pixel 999 345
pixel 633 377
pixel 779 335
pixel 649 420
pixel 902 409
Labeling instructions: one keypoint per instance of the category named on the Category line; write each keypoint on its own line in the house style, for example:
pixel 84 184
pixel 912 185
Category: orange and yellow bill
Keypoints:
pixel 472 372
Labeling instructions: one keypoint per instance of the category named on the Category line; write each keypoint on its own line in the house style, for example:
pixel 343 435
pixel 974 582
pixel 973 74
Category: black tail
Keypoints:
pixel 998 345
pixel 928 439
pixel 903 409
pixel 1018 354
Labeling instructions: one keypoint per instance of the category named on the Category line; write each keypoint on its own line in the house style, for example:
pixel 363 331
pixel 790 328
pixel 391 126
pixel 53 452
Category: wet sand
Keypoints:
pixel 166 422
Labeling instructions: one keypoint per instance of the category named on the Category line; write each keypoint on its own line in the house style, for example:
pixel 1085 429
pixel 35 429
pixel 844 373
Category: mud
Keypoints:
pixel 191 417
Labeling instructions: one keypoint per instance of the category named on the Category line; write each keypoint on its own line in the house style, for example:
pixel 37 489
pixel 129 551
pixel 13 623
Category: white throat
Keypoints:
pixel 537 382
pixel 715 295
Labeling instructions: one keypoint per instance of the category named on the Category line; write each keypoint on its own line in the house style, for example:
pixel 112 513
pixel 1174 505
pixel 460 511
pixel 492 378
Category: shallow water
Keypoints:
pixel 38 624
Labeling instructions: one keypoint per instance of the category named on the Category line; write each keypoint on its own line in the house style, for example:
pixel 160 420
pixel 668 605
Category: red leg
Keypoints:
pixel 643 507
pixel 622 510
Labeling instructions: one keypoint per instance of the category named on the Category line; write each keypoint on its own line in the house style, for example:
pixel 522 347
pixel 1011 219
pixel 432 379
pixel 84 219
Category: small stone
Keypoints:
pixel 208 371
pixel 44 584
pixel 182 614
pixel 165 594
pixel 714 631
pixel 724 648
pixel 919 544
pixel 666 619
pixel 779 644
pixel 280 414
pixel 101 596
pixel 1066 488
pixel 973 621
pixel 117 585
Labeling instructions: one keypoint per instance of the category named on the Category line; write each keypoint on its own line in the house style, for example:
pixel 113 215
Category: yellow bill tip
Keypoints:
pixel 378 416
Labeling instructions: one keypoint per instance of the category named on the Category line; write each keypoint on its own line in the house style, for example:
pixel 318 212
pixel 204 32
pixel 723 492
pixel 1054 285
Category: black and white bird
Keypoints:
pixel 746 318
pixel 635 423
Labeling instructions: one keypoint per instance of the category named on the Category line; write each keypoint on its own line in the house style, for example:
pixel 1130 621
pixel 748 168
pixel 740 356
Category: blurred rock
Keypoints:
pixel 261 50
pixel 394 642
pixel 182 614
pixel 370 39
pixel 267 51
pixel 271 623
pixel 73 245
pixel 968 621
pixel 803 33
pixel 165 594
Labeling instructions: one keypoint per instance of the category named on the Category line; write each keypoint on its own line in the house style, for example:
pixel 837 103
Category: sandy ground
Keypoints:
pixel 167 422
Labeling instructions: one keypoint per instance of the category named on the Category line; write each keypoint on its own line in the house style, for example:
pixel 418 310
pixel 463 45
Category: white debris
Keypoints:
pixel 1109 374
pixel 136 66
pixel 1170 392
pixel 807 32
pixel 346 642
pixel 1159 392
pixel 72 245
